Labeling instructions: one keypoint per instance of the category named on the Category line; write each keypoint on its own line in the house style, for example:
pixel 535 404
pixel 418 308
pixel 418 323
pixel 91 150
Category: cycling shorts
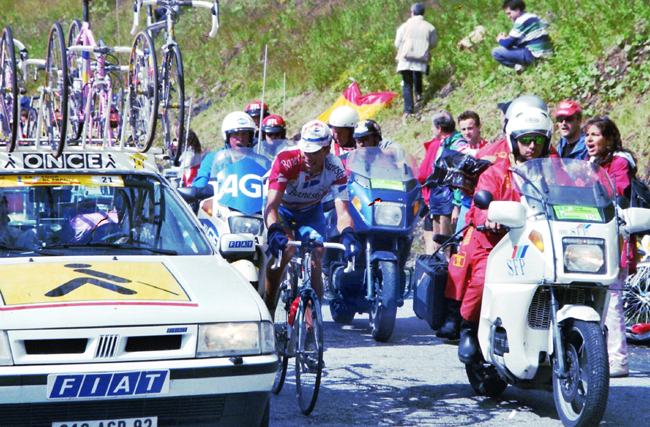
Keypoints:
pixel 309 223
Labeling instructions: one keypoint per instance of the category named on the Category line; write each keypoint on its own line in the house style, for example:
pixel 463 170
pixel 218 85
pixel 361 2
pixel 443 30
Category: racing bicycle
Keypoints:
pixel 151 91
pixel 93 118
pixel 299 324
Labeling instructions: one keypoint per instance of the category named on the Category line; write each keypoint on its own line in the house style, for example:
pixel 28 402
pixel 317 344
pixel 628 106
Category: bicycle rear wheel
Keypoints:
pixel 173 104
pixel 56 90
pixel 142 90
pixel 8 92
pixel 75 96
pixel 309 356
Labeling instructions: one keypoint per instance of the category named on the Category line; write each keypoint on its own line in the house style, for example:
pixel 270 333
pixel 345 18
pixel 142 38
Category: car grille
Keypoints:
pixel 539 313
pixel 153 343
pixel 64 346
pixel 175 411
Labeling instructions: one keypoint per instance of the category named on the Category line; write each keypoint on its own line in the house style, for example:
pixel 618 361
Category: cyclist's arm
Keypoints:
pixel 343 214
pixel 273 202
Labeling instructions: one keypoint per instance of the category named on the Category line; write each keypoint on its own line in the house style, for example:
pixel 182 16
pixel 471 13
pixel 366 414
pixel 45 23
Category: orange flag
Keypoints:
pixel 367 105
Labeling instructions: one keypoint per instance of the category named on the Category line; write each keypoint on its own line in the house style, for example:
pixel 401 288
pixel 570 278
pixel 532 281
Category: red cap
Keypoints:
pixel 568 108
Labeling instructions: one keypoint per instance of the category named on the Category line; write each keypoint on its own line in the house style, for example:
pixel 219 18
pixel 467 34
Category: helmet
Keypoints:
pixel 525 101
pixel 274 124
pixel 314 136
pixel 235 122
pixel 529 121
pixel 366 127
pixel 344 117
pixel 254 109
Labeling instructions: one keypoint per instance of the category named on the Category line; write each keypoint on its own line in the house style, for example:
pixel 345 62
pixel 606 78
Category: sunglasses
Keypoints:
pixel 568 119
pixel 536 139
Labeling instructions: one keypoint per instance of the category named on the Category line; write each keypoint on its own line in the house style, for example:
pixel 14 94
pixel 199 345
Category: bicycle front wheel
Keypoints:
pixel 282 334
pixel 75 96
pixel 309 355
pixel 142 90
pixel 8 92
pixel 56 90
pixel 173 104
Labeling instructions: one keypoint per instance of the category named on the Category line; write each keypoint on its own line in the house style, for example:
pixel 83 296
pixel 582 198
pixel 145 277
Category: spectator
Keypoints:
pixel 414 40
pixel 526 41
pixel 605 148
pixel 569 121
pixel 440 200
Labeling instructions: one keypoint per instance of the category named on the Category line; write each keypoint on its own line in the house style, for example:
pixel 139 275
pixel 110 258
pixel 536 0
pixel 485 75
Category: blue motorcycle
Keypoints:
pixel 385 202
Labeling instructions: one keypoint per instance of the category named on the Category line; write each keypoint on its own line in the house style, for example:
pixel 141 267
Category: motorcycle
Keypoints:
pixel 546 286
pixel 231 207
pixel 385 200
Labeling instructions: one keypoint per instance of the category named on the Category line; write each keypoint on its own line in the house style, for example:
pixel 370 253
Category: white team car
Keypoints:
pixel 115 309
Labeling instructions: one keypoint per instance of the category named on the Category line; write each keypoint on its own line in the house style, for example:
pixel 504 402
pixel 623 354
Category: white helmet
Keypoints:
pixel 344 117
pixel 529 121
pixel 235 122
pixel 314 136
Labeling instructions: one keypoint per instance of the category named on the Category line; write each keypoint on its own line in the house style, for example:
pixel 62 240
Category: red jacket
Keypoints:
pixel 426 167
pixel 619 170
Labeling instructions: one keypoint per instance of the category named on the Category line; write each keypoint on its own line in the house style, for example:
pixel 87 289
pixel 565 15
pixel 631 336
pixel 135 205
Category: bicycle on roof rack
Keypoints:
pixel 298 324
pixel 93 117
pixel 153 92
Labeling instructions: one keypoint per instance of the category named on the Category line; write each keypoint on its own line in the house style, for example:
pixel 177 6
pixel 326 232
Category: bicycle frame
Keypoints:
pixel 22 64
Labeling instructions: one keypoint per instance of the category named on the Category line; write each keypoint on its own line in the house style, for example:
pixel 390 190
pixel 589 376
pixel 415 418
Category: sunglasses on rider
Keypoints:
pixel 536 139
pixel 274 135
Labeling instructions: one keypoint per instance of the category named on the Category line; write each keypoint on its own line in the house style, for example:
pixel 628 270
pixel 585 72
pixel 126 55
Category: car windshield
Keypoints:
pixel 67 214
pixel 564 182
pixel 390 164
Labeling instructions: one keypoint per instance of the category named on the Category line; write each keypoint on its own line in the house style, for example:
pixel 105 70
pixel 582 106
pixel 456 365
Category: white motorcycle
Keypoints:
pixel 546 286
pixel 231 209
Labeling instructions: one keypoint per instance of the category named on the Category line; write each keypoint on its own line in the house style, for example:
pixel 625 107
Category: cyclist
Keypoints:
pixel 529 136
pixel 298 181
pixel 237 130
pixel 342 122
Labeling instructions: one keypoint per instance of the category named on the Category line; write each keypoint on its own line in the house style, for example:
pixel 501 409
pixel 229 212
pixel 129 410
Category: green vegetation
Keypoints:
pixel 601 57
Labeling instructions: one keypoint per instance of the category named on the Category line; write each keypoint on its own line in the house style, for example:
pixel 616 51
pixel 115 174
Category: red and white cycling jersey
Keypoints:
pixel 302 190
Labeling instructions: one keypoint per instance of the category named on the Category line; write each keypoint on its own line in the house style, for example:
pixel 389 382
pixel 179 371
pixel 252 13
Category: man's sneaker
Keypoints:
pixel 519 68
pixel 617 370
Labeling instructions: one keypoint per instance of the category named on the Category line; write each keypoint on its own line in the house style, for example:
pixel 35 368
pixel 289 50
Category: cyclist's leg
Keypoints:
pixel 273 277
pixel 312 224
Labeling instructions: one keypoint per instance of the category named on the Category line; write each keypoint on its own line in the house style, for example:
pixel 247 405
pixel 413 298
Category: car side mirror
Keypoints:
pixel 482 199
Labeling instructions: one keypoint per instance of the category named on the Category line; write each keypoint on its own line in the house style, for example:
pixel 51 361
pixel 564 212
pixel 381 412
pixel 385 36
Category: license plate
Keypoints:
pixel 124 422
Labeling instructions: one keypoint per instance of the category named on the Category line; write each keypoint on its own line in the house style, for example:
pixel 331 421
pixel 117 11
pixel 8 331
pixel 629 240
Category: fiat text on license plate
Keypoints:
pixel 125 422
pixel 103 385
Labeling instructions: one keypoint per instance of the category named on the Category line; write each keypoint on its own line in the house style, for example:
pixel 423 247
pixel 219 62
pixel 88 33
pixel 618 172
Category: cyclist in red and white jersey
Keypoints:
pixel 298 181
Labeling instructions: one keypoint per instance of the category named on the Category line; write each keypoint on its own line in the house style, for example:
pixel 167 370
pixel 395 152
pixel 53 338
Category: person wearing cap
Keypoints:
pixel 569 122
pixel 526 42
pixel 298 181
pixel 414 41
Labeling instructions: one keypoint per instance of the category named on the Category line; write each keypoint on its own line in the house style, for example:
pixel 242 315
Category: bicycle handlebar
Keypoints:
pixel 214 9
pixel 326 245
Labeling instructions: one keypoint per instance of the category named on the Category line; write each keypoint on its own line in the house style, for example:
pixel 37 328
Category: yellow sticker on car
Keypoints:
pixel 56 180
pixel 38 283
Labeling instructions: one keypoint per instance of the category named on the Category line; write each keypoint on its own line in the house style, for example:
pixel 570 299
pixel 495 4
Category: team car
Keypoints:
pixel 115 309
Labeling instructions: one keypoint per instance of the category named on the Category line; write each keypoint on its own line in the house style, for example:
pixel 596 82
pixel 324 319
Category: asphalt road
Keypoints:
pixel 417 380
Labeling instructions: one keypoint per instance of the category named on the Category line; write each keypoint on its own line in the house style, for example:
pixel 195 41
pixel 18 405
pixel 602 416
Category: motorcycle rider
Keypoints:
pixel 342 122
pixel 528 134
pixel 237 130
pixel 367 133
pixel 298 181
pixel 274 132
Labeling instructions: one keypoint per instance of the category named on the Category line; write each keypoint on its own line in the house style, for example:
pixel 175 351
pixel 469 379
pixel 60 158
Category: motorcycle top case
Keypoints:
pixel 429 293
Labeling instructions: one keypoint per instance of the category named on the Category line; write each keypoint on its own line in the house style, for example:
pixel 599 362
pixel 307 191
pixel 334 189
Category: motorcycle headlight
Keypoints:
pixel 235 339
pixel 584 255
pixel 245 224
pixel 388 214
pixel 5 350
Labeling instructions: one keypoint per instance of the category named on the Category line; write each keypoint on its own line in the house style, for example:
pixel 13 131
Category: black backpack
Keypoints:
pixel 640 194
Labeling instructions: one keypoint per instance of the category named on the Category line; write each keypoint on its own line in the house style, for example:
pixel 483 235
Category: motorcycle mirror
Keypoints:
pixel 482 199
pixel 623 202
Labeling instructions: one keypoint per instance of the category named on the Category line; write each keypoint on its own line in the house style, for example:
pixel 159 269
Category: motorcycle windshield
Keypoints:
pixel 387 169
pixel 575 189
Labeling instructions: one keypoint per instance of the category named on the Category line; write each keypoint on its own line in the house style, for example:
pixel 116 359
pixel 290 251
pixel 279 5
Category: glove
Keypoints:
pixel 351 243
pixel 277 239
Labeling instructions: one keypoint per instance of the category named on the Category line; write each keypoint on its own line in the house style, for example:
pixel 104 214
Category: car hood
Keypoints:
pixel 105 291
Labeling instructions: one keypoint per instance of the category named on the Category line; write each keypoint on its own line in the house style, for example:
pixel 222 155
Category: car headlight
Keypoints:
pixel 5 350
pixel 245 224
pixel 584 255
pixel 388 214
pixel 235 339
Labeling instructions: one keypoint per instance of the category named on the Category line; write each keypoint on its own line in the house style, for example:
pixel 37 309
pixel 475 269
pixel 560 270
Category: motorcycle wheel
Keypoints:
pixel 485 380
pixel 384 308
pixel 581 399
pixel 340 314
